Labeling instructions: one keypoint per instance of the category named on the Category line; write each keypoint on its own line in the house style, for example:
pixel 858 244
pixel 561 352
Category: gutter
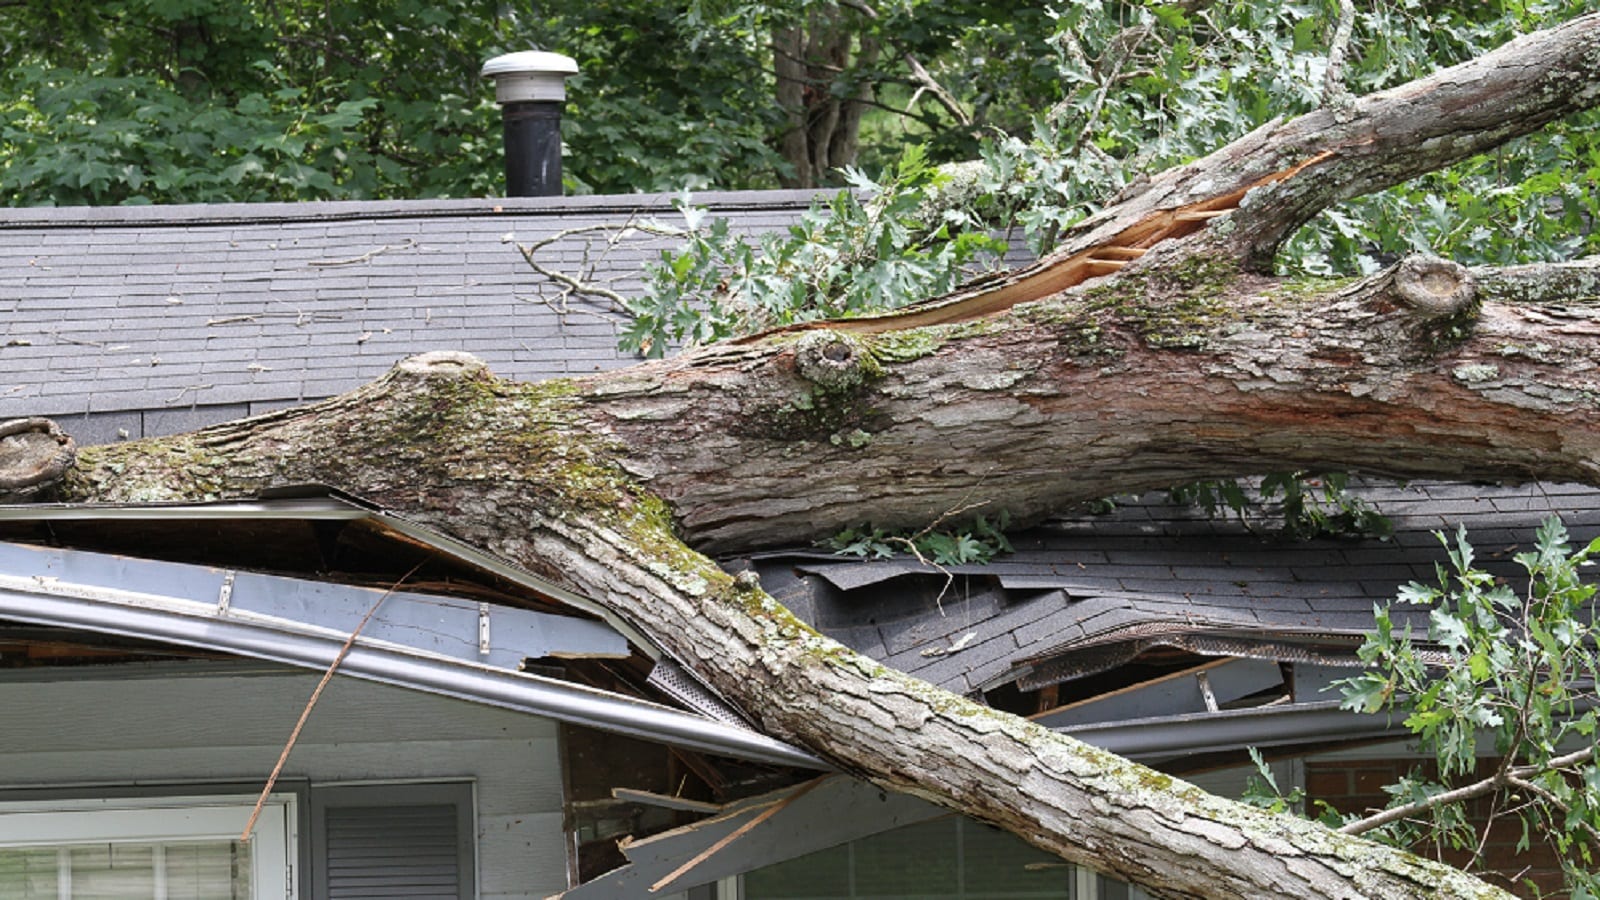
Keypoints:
pixel 1164 737
pixel 51 602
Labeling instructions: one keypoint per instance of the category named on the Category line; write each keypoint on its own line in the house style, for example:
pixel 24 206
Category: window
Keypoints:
pixel 944 859
pixel 170 848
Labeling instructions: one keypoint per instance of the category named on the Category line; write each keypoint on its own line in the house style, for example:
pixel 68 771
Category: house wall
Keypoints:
pixel 1355 785
pixel 105 729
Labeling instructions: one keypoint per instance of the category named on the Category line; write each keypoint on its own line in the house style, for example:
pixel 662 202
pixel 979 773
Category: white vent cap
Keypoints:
pixel 532 75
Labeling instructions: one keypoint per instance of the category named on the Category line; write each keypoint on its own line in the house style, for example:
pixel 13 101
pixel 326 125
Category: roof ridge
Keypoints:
pixel 189 214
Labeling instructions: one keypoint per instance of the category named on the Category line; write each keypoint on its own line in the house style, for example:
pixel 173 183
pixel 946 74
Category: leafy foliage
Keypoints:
pixel 1309 505
pixel 860 251
pixel 1503 673
pixel 981 541
pixel 1132 89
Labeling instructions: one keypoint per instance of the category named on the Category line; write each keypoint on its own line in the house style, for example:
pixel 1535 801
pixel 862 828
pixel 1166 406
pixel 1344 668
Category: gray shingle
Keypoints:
pixel 294 286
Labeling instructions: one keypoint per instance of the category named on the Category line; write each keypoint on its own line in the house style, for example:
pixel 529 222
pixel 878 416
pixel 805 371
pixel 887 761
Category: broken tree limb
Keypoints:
pixel 34 454
pixel 1279 176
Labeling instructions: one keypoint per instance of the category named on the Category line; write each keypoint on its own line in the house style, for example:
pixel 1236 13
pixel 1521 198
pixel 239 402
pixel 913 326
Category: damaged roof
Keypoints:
pixel 1086 594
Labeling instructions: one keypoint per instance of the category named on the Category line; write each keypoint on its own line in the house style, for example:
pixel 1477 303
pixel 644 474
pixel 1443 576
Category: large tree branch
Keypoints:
pixel 1260 188
pixel 1150 380
pixel 515 469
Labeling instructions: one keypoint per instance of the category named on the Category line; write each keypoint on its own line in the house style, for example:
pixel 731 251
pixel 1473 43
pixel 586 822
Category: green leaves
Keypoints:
pixel 1505 675
pixel 1307 505
pixel 981 541
pixel 857 252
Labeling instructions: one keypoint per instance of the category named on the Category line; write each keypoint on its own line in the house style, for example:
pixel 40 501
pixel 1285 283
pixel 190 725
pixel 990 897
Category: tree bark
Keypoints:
pixel 823 120
pixel 1147 351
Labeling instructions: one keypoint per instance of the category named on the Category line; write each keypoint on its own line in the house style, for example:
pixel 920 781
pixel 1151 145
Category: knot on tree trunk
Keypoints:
pixel 34 454
pixel 1432 287
pixel 440 365
pixel 832 361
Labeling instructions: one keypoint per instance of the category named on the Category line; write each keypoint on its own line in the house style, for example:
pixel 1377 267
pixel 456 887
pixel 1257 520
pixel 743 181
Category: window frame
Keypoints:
pixel 64 821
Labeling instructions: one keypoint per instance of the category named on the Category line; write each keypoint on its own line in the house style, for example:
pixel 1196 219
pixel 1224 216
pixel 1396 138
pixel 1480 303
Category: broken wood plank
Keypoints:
pixel 838 811
pixel 1175 693
pixel 737 833
pixel 649 798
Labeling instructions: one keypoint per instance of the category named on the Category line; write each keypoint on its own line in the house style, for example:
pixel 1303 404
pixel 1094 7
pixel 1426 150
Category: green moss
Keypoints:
pixel 1291 291
pixel 906 346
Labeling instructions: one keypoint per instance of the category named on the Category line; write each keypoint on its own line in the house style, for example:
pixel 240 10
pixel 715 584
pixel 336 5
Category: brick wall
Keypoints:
pixel 1356 786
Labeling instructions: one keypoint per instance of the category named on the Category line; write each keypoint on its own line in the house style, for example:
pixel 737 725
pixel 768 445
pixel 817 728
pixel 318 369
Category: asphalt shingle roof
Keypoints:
pixel 1079 586
pixel 144 320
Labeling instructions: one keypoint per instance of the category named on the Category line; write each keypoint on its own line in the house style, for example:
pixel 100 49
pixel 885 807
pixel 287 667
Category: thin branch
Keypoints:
pixel 580 284
pixel 344 651
pixel 1557 802
pixel 406 244
pixel 922 76
pixel 1335 95
pixel 1500 779
pixel 1395 814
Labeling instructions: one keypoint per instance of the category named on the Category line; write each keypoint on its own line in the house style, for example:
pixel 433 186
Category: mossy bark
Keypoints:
pixel 518 470
pixel 596 483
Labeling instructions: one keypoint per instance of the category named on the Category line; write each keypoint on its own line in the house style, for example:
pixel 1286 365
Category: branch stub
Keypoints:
pixel 1434 287
pixel 34 454
pixel 441 365
pixel 832 361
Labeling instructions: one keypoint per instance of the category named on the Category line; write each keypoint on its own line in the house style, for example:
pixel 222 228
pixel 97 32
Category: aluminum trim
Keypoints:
pixel 154 617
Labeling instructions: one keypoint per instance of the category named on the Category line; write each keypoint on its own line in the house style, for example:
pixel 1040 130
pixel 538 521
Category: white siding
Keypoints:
pixel 215 728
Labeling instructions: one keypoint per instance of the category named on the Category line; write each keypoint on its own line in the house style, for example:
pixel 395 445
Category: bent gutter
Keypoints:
pixel 1165 737
pixel 156 617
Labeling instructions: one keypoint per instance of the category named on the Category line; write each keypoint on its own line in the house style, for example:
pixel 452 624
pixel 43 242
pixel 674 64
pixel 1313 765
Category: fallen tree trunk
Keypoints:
pixel 1181 362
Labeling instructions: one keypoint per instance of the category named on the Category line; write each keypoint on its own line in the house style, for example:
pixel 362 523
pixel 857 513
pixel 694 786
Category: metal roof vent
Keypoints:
pixel 531 87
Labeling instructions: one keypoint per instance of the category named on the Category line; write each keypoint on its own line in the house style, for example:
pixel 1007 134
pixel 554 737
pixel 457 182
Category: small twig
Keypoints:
pixel 316 693
pixel 1555 801
pixel 580 284
pixel 407 244
pixel 194 387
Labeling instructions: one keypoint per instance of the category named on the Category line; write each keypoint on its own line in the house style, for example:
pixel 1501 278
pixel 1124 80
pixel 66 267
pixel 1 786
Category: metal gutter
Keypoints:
pixel 332 506
pixel 1268 726
pixel 51 602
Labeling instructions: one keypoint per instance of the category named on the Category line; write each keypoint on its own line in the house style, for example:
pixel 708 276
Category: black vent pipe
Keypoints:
pixel 531 87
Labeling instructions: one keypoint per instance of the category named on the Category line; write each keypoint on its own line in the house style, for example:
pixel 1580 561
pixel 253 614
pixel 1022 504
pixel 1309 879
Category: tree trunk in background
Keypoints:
pixel 1145 351
pixel 821 101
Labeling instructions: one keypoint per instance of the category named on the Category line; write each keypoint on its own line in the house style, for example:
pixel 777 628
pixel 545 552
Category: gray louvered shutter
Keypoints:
pixel 386 842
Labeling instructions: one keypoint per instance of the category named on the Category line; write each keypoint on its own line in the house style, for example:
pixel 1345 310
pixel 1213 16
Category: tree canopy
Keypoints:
pixel 199 100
